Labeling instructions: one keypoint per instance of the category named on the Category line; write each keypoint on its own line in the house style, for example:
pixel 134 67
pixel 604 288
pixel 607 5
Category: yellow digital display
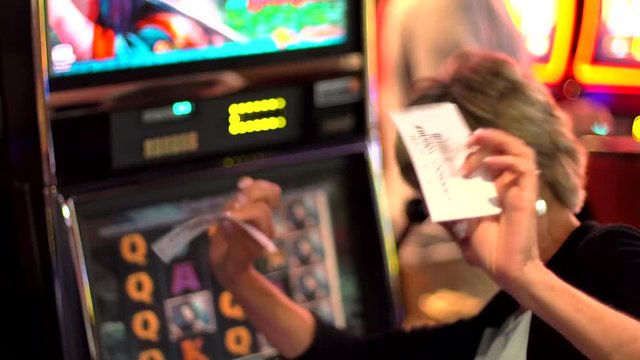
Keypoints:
pixel 257 116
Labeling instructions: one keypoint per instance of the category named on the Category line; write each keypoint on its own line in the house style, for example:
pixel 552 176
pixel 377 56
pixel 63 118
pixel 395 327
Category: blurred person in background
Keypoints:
pixel 418 36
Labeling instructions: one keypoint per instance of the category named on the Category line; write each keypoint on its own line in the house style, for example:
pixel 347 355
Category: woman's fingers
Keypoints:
pixel 507 158
pixel 233 248
pixel 230 236
pixel 242 241
pixel 501 142
pixel 509 163
pixel 473 162
pixel 504 151
pixel 251 190
pixel 244 182
pixel 258 214
pixel 253 204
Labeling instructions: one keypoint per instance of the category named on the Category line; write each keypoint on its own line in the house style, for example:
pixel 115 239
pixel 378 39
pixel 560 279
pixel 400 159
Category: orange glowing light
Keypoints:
pixel 622 40
pixel 539 22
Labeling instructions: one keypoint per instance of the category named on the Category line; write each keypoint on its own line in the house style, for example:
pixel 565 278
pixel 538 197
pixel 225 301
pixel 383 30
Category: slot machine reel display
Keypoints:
pixel 147 307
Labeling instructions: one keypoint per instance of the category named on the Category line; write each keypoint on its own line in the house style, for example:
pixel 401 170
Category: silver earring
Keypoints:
pixel 541 207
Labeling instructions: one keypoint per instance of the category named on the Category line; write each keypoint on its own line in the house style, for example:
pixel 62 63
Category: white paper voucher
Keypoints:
pixel 172 243
pixel 434 136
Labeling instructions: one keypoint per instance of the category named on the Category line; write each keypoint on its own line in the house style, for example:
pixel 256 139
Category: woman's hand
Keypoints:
pixel 289 327
pixel 232 250
pixel 506 244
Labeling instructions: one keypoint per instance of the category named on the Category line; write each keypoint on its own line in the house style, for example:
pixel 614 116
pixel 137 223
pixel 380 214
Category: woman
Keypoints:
pixel 550 267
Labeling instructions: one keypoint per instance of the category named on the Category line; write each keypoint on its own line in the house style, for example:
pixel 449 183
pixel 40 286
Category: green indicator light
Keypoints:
pixel 182 108
pixel 600 129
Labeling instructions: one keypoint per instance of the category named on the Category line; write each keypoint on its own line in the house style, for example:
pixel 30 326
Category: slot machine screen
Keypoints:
pixel 619 33
pixel 150 306
pixel 547 28
pixel 92 37
pixel 608 53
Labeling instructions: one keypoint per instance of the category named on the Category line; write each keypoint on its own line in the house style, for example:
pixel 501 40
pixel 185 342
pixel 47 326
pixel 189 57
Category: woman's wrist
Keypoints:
pixel 526 286
pixel 237 280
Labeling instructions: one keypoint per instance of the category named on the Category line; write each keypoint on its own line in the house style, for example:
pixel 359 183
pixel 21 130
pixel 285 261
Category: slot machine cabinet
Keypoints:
pixel 607 59
pixel 585 53
pixel 548 31
pixel 607 67
pixel 145 157
pixel 27 274
pixel 608 54
pixel 614 171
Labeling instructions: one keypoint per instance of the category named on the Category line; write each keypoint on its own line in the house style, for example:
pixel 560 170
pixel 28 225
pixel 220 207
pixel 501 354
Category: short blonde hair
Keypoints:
pixel 492 91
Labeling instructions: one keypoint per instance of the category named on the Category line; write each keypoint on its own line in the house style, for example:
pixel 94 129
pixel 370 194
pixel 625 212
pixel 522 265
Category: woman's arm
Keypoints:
pixel 505 246
pixel 288 326
pixel 597 330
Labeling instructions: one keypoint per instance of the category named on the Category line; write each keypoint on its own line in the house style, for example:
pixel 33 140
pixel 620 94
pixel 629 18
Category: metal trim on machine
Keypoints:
pixel 82 276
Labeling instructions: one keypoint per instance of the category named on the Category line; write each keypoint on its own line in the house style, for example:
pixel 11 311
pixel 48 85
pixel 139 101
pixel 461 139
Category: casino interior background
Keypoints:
pixel 588 54
pixel 103 155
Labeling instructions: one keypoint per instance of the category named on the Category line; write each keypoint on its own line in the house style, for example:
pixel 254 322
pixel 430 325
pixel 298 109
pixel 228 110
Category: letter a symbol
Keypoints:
pixel 184 278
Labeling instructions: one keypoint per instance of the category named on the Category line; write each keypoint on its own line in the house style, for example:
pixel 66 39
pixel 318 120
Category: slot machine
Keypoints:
pixel 548 30
pixel 608 54
pixel 157 107
pixel 607 67
pixel 586 53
